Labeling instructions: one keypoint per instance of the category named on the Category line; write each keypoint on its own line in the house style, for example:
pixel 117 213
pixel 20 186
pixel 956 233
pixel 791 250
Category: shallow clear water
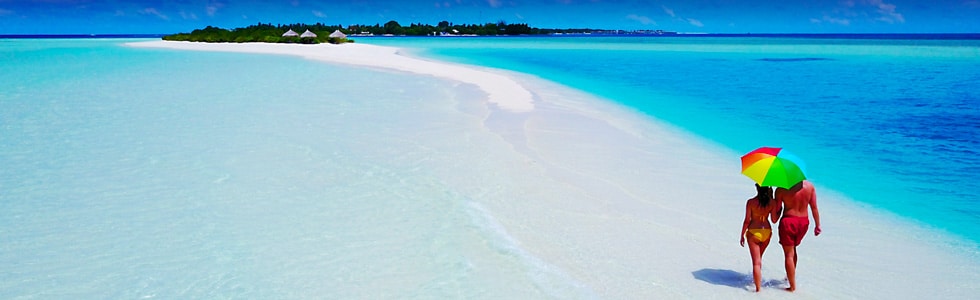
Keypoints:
pixel 891 123
pixel 132 173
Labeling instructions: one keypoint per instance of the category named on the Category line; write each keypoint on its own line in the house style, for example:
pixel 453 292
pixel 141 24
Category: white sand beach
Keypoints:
pixel 622 206
pixel 502 91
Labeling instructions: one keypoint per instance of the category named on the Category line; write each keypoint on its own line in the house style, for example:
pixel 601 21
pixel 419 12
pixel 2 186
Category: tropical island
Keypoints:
pixel 337 34
pixel 265 33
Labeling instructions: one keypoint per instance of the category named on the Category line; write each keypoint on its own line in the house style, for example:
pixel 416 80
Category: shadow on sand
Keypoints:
pixel 723 277
pixel 733 279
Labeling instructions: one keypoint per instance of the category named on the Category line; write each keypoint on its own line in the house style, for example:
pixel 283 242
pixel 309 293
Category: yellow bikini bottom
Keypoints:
pixel 760 234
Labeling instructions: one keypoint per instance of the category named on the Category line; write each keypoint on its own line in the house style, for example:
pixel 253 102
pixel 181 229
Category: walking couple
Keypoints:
pixel 788 208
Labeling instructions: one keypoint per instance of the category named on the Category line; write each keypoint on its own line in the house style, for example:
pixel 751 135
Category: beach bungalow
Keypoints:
pixel 290 33
pixel 338 34
pixel 308 34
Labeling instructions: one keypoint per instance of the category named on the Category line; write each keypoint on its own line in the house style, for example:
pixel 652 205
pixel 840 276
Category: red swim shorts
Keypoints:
pixel 792 230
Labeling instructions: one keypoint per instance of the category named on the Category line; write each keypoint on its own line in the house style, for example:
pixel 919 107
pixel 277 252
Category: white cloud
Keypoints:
pixel 832 20
pixel 877 10
pixel 519 16
pixel 838 21
pixel 188 16
pixel 642 19
pixel 155 12
pixel 672 14
pixel 887 11
pixel 319 14
pixel 213 6
pixel 494 3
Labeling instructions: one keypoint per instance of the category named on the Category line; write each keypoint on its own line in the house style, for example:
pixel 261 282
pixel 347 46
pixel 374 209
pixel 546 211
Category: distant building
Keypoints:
pixel 308 34
pixel 290 33
pixel 338 34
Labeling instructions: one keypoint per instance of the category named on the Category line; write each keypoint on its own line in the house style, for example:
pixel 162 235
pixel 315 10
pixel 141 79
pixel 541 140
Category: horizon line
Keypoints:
pixel 603 32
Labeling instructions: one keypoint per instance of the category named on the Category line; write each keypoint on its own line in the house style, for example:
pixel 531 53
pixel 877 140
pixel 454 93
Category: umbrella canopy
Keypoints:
pixel 770 166
pixel 308 34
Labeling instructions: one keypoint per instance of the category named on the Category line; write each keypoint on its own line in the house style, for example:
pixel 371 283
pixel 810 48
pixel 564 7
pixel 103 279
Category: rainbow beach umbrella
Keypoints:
pixel 770 166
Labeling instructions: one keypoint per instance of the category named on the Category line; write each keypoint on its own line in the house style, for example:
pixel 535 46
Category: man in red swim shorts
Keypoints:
pixel 795 222
pixel 792 230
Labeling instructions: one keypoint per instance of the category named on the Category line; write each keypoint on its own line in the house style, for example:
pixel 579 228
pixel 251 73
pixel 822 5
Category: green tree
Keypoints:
pixel 392 27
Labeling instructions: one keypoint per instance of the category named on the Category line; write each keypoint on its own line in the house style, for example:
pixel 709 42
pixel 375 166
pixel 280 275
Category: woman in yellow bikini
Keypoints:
pixel 757 229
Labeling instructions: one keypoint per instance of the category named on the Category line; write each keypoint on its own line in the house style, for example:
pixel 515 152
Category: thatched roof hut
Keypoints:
pixel 308 34
pixel 338 34
pixel 290 33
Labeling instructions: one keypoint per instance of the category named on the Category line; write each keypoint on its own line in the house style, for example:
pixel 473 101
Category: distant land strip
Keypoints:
pixel 319 32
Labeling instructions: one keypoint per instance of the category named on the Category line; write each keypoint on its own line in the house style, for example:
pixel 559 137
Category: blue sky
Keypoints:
pixel 713 16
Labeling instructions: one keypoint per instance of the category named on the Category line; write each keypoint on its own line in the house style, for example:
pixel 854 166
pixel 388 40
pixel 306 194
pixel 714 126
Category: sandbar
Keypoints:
pixel 501 90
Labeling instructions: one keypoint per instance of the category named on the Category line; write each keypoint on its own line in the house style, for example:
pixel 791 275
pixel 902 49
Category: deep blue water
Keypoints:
pixel 892 123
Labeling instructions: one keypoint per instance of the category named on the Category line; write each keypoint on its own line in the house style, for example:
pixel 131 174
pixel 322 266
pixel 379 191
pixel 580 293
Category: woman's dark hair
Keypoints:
pixel 764 194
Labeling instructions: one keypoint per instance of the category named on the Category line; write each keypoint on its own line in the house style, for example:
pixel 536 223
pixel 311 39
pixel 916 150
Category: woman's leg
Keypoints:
pixel 756 249
pixel 763 246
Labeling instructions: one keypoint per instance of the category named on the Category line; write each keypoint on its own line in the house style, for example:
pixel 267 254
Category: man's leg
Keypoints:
pixel 790 255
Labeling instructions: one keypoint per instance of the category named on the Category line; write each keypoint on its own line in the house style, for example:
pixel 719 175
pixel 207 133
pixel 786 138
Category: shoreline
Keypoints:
pixel 605 227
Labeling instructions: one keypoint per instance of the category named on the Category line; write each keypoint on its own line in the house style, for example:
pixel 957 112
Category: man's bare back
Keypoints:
pixel 796 200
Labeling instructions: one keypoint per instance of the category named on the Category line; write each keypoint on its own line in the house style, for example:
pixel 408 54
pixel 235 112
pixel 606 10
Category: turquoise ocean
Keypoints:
pixel 891 123
pixel 139 173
